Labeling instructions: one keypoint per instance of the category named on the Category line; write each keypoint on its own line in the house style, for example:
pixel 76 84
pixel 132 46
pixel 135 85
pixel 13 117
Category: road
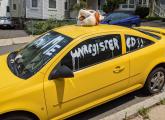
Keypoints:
pixel 12 33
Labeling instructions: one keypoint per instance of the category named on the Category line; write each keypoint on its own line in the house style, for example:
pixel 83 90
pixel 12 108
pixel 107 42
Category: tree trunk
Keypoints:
pixel 151 3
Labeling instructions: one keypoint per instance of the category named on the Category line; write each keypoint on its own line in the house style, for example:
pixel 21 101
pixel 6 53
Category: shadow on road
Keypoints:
pixel 110 107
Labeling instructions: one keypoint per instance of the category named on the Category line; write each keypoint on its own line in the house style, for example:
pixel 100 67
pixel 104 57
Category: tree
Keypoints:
pixel 82 4
pixel 111 5
pixel 151 11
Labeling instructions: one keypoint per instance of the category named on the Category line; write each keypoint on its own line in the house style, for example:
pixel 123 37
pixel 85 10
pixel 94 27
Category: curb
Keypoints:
pixel 135 108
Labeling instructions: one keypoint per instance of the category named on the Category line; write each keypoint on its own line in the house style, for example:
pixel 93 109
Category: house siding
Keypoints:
pixel 3 8
pixel 34 13
pixel 57 13
pixel 20 11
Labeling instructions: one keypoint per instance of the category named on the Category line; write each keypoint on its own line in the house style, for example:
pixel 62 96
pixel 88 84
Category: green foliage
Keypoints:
pixel 142 11
pixel 37 27
pixel 80 5
pixel 162 102
pixel 111 5
pixel 144 113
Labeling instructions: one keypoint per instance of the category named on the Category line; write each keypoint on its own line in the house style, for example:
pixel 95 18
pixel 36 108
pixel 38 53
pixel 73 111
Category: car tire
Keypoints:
pixel 133 25
pixel 18 117
pixel 155 81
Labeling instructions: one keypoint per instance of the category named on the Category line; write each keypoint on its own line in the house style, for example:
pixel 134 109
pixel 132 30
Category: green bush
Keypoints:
pixel 111 5
pixel 142 11
pixel 37 27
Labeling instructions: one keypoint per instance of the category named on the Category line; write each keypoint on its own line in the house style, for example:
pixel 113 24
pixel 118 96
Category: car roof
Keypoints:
pixel 75 31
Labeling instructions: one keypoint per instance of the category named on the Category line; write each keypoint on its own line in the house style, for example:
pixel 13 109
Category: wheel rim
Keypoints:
pixel 133 25
pixel 157 81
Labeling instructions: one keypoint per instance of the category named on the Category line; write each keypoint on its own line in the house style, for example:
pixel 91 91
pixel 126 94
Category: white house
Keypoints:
pixel 4 8
pixel 60 9
pixel 45 9
pixel 130 5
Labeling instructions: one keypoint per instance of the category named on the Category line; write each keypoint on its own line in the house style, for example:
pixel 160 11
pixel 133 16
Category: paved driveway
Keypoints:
pixel 156 23
pixel 5 34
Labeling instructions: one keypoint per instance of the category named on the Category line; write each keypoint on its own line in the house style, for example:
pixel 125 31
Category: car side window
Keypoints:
pixel 93 51
pixel 133 43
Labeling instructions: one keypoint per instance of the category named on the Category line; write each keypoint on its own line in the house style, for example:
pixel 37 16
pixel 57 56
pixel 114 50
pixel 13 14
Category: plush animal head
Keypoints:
pixel 89 17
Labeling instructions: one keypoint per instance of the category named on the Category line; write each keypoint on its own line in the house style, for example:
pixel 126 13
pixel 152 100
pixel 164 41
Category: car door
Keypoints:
pixel 99 69
pixel 141 53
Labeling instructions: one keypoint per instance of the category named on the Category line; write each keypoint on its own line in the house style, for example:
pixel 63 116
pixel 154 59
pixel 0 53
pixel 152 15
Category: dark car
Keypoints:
pixel 6 22
pixel 123 19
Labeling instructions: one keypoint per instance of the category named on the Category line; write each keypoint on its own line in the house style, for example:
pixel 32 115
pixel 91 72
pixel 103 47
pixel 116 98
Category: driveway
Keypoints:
pixel 156 23
pixel 12 33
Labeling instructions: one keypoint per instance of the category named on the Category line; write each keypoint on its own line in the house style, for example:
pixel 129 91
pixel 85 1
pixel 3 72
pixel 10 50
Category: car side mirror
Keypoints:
pixel 61 72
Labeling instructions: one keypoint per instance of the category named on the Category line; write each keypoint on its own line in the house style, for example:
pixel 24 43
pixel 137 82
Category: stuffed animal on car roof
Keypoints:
pixel 89 17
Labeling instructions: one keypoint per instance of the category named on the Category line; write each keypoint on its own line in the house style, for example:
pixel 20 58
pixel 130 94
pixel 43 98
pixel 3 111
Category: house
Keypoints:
pixel 131 5
pixel 4 8
pixel 46 9
pixel 17 8
pixel 62 9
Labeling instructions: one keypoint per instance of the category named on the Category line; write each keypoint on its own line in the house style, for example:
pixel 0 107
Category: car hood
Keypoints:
pixel 7 78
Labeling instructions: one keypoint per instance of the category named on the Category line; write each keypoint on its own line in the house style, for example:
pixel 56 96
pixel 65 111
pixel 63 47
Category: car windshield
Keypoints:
pixel 4 18
pixel 34 56
pixel 116 16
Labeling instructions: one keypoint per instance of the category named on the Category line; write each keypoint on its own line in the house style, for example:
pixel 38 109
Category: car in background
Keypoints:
pixel 6 22
pixel 122 19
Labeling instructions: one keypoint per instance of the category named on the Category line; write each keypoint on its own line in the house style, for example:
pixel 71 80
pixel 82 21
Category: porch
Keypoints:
pixel 130 5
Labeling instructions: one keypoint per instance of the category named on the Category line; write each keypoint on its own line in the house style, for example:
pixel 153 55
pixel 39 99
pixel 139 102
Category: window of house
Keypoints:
pixel 14 6
pixel 7 9
pixel 52 4
pixel 133 43
pixel 66 5
pixel 34 3
pixel 93 51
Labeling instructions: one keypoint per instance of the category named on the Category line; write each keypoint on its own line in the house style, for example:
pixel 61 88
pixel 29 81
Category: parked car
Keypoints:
pixel 73 68
pixel 6 22
pixel 123 19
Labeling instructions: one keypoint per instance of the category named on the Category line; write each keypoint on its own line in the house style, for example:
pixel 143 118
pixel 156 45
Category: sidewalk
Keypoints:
pixel 155 113
pixel 19 40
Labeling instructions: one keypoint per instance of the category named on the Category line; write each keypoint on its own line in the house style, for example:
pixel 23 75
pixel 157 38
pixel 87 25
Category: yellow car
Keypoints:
pixel 71 69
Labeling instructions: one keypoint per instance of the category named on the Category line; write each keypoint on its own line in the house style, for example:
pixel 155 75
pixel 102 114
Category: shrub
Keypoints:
pixel 36 27
pixel 142 11
pixel 111 5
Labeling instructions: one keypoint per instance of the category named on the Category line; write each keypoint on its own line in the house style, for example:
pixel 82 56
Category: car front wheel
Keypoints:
pixel 155 81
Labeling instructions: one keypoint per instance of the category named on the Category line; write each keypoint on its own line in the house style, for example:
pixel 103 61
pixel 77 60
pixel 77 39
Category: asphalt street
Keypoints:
pixel 12 33
pixel 100 111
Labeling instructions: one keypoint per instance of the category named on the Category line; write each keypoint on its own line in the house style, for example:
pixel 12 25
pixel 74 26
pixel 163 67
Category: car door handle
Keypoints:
pixel 118 69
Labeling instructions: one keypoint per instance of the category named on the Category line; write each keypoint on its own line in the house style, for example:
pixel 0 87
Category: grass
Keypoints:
pixel 162 102
pixel 125 118
pixel 144 113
